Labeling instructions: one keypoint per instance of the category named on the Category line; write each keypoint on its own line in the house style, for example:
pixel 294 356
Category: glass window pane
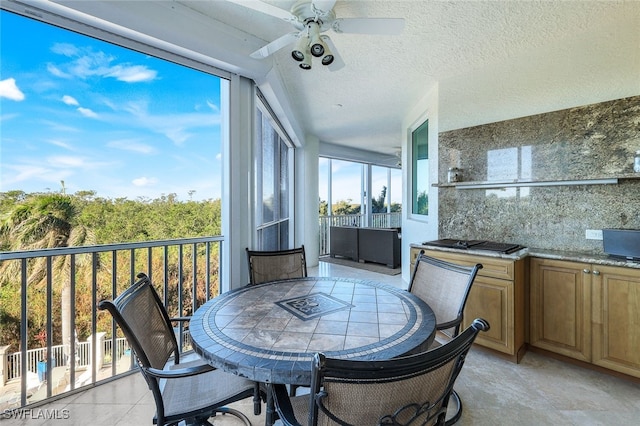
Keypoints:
pixel 268 171
pixel 420 169
pixel 102 121
pixel 346 187
pixel 379 190
pixel 284 180
pixel 323 182
pixel 396 190
pixel 269 238
pixel 273 184
pixel 284 234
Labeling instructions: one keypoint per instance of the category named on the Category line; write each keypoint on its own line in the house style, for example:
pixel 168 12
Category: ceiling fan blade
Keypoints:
pixel 275 45
pixel 266 8
pixel 390 26
pixel 322 6
pixel 337 63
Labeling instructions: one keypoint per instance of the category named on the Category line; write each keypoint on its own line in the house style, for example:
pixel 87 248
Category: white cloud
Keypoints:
pixel 57 71
pixel 87 112
pixel 85 63
pixel 60 127
pixel 7 117
pixel 66 49
pixel 144 181
pixel 131 145
pixel 213 107
pixel 65 161
pixel 9 89
pixel 25 172
pixel 60 144
pixel 132 74
pixel 70 100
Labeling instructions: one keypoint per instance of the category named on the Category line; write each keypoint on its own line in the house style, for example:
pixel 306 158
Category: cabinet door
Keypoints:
pixel 560 307
pixel 616 319
pixel 492 299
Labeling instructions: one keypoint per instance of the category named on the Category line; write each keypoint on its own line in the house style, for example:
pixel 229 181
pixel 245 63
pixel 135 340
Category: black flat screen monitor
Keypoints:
pixel 623 243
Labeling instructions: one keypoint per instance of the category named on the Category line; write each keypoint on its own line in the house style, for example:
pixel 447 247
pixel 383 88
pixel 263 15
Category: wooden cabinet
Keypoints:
pixel 587 312
pixel 560 307
pixel 616 319
pixel 497 295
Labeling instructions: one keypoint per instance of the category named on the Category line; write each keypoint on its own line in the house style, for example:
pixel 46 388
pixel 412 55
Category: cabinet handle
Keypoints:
pixel 586 271
pixel 596 272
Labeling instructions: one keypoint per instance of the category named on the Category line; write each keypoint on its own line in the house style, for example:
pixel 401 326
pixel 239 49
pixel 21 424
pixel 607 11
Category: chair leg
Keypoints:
pixel 292 390
pixel 454 409
pixel 257 400
pixel 236 413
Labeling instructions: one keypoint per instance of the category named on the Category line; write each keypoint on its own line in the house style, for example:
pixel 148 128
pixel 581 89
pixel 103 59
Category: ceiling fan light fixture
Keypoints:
pixel 301 47
pixel 306 62
pixel 317 45
pixel 328 57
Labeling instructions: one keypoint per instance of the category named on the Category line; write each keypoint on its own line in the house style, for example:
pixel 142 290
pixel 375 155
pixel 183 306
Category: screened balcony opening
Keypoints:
pixel 356 194
pixel 111 164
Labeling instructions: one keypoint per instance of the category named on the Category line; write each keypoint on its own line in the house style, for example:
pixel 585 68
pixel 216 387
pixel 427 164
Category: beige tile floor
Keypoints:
pixel 538 391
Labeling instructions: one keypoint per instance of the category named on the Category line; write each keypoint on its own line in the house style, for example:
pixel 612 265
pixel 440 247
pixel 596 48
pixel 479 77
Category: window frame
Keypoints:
pixel 262 227
pixel 413 169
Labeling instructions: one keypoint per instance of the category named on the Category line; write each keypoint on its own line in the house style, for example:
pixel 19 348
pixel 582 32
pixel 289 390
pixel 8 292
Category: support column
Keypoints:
pixel 4 365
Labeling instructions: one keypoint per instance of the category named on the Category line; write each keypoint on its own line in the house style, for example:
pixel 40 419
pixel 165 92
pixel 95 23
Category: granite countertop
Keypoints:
pixel 597 259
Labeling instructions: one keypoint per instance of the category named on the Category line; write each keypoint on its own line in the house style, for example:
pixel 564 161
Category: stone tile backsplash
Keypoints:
pixel 587 142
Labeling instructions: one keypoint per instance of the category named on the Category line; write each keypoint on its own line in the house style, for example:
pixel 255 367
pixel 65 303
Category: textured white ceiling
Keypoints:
pixel 491 60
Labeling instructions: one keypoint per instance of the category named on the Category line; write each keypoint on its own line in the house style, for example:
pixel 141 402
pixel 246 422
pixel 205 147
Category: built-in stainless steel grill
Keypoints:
pixel 474 245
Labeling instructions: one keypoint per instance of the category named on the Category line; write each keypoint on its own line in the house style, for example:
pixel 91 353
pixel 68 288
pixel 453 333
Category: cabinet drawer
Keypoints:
pixel 491 267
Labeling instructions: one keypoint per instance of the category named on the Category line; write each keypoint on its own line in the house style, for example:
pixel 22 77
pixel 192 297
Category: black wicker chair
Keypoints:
pixel 192 391
pixel 274 265
pixel 445 287
pixel 407 391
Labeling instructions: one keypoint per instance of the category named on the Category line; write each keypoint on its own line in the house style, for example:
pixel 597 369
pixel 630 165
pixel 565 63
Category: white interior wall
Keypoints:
pixel 419 228
pixel 238 219
pixel 306 196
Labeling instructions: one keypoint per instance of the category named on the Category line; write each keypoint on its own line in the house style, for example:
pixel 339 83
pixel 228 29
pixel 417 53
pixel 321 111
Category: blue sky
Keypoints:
pixel 103 118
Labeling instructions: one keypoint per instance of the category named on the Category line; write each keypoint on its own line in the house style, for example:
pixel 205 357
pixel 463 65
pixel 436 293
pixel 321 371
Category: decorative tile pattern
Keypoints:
pixel 313 305
pixel 270 332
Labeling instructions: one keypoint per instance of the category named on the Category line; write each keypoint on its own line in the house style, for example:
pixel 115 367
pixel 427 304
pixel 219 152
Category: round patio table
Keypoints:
pixel 270 332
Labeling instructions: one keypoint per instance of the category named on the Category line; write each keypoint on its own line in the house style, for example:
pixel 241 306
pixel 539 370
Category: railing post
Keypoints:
pixel 4 365
pixel 99 360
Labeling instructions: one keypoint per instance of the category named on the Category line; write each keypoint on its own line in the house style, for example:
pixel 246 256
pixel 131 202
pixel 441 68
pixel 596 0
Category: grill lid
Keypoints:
pixel 474 245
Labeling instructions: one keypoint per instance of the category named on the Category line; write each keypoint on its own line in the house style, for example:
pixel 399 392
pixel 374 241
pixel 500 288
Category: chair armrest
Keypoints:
pixel 180 372
pixel 283 405
pixel 449 324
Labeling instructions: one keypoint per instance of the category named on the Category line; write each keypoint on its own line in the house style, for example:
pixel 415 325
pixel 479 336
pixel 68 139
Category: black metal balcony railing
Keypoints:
pixel 185 272
pixel 379 220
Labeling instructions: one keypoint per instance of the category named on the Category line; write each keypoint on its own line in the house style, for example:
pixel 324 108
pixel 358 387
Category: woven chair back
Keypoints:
pixel 445 287
pixel 412 390
pixel 144 321
pixel 265 266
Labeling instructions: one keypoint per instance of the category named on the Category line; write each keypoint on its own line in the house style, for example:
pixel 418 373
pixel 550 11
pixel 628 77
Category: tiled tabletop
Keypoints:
pixel 270 332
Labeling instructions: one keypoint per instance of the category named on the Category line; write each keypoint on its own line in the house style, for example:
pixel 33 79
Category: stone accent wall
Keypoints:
pixel 593 141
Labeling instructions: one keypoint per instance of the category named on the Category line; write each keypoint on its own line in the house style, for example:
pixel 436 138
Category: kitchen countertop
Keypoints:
pixel 597 259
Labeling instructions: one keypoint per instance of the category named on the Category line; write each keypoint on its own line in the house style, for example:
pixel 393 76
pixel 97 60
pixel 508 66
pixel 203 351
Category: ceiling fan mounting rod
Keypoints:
pixel 316 19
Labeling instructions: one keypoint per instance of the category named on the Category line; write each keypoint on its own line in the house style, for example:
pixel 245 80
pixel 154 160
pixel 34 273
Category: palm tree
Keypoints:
pixel 46 221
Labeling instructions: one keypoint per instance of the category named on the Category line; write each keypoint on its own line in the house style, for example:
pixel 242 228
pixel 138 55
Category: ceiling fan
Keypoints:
pixel 311 19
